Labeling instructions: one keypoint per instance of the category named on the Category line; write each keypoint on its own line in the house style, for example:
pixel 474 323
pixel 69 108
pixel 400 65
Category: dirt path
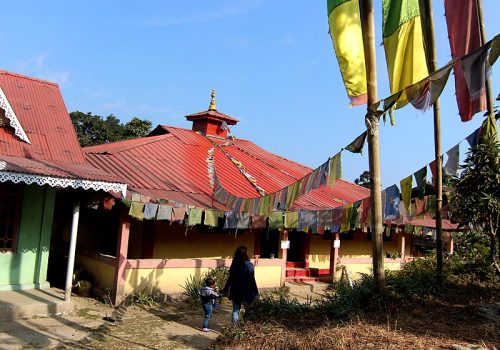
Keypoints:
pixel 94 325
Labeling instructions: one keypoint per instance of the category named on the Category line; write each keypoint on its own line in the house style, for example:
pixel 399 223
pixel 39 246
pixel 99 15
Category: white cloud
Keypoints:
pixel 36 66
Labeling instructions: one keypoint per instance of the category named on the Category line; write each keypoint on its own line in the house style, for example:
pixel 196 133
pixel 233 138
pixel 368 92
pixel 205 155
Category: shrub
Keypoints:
pixel 193 284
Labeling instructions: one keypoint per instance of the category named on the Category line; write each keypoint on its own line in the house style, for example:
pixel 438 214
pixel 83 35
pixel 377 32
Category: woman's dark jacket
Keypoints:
pixel 241 286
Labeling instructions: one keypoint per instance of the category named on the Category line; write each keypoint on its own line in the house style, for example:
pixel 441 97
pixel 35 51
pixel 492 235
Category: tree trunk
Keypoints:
pixel 493 248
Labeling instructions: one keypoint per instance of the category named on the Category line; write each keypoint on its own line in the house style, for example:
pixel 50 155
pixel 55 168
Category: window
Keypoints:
pixel 10 212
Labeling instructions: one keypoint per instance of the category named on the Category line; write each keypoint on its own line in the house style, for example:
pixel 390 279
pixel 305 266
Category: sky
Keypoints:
pixel 271 62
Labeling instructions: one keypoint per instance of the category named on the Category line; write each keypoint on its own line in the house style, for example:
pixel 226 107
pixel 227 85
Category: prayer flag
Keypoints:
pixel 451 167
pixel 335 170
pixel 464 35
pixel 357 145
pixel 406 185
pixel 473 138
pixel 421 178
pixel 404 45
pixel 345 29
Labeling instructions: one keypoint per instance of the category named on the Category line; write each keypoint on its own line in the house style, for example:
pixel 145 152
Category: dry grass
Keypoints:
pixel 397 325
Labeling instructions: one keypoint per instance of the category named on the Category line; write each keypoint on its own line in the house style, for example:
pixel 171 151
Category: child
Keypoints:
pixel 208 300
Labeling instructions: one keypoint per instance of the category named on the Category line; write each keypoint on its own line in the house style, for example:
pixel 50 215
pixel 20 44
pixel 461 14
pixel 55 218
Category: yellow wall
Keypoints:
pixel 361 247
pixel 171 280
pixel 171 242
pixel 103 274
pixel 319 256
pixel 356 269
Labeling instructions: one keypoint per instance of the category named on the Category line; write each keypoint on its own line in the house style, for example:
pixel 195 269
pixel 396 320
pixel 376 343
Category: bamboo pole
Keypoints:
pixel 438 181
pixel 372 125
pixel 489 94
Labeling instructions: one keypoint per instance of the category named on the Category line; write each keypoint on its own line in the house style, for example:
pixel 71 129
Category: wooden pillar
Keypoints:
pixel 121 258
pixel 450 245
pixel 334 255
pixel 372 126
pixel 284 253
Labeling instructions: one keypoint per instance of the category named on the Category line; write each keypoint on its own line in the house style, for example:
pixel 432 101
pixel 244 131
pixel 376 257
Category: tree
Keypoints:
pixel 94 130
pixel 363 179
pixel 475 202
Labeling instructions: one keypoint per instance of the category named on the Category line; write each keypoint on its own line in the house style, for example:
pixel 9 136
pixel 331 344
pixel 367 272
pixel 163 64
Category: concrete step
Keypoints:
pixel 294 264
pixel 297 272
pixel 301 286
pixel 32 302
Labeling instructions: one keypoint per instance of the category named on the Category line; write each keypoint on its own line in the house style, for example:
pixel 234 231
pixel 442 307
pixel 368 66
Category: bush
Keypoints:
pixel 192 285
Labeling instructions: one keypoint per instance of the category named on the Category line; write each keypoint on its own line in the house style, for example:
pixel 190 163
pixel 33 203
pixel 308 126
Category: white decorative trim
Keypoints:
pixel 9 114
pixel 63 182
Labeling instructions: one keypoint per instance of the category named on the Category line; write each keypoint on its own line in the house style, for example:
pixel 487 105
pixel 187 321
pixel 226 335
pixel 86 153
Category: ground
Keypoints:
pixel 175 325
pixel 95 325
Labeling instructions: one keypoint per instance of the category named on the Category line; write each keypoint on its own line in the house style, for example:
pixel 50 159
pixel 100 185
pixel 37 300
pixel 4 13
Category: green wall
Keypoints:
pixel 27 266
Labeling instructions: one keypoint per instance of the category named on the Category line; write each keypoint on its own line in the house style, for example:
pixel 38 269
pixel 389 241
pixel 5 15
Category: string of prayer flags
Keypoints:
pixel 451 166
pixel 406 186
pixel 345 29
pixel 432 166
pixel 357 145
pixel 404 45
pixel 150 210
pixel 421 179
pixel 418 93
pixel 464 35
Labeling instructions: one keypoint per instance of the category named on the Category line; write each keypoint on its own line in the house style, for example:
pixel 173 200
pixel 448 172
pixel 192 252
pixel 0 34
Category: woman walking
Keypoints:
pixel 241 287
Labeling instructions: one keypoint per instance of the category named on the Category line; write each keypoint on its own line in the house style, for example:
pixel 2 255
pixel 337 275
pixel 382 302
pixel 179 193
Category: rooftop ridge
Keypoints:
pixel 124 145
pixel 17 75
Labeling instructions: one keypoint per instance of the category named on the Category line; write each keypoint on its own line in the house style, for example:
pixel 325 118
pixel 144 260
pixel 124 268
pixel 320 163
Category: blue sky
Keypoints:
pixel 271 62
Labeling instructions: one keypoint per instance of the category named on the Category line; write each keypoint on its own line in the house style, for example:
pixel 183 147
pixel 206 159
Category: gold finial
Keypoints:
pixel 212 107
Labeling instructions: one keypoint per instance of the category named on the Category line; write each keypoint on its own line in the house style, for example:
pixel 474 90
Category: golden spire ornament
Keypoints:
pixel 212 107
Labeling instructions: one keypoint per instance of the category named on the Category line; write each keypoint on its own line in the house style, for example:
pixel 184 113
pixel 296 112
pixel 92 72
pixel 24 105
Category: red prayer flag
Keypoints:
pixel 464 35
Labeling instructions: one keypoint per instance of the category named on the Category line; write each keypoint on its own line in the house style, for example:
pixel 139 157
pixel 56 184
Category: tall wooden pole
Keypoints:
pixel 438 181
pixel 489 94
pixel 372 125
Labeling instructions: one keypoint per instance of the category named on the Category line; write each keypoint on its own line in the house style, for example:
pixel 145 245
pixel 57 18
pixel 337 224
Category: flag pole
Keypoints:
pixel 372 125
pixel 438 181
pixel 489 95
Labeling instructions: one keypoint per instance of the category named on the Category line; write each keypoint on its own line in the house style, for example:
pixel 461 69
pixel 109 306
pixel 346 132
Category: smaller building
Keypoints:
pixel 39 157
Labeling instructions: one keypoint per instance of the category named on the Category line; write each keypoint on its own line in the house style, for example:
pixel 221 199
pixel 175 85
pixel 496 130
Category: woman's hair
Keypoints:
pixel 240 256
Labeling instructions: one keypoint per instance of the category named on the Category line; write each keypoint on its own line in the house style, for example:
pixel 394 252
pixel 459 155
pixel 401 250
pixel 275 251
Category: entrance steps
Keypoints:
pixel 296 272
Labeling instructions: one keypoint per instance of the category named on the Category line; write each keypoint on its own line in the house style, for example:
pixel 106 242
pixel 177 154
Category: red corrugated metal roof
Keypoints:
pixel 41 111
pixel 431 223
pixel 53 149
pixel 173 166
pixel 55 169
